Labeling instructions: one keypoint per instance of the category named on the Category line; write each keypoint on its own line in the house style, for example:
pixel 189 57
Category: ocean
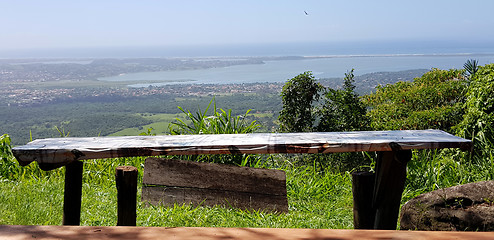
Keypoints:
pixel 364 57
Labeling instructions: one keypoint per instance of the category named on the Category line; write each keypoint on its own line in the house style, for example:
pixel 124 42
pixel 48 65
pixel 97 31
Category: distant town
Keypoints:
pixel 30 82
pixel 13 96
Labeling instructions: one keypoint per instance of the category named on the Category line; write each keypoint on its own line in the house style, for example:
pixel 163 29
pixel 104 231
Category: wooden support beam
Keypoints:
pixel 363 193
pixel 168 181
pixel 126 181
pixel 73 193
pixel 388 188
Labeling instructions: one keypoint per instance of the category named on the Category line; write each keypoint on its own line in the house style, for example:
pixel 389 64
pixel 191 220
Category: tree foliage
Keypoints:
pixel 434 100
pixel 299 97
pixel 343 109
pixel 471 67
pixel 337 110
pixel 309 106
pixel 479 109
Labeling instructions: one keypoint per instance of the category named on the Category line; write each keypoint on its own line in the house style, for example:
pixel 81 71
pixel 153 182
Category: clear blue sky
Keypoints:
pixel 102 23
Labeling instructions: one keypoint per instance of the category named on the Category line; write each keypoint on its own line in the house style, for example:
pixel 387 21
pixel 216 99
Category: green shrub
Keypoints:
pixel 433 101
pixel 479 111
pixel 220 122
pixel 8 169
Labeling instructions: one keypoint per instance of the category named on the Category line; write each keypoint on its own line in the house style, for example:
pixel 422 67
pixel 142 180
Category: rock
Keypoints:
pixel 468 207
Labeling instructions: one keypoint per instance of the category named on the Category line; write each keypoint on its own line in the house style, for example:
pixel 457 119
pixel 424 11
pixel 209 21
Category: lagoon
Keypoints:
pixel 322 67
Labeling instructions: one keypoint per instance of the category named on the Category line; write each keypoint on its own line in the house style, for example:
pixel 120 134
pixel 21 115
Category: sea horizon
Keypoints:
pixel 321 49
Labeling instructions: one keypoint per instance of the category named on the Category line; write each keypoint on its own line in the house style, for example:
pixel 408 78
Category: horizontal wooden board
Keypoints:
pixel 168 181
pixel 168 196
pixel 8 232
pixel 55 152
pixel 179 173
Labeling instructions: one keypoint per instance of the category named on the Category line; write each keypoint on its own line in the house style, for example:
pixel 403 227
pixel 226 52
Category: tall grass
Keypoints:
pixel 430 170
pixel 316 200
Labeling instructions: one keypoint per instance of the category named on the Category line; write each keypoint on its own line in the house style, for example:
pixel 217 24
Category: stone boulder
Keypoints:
pixel 468 207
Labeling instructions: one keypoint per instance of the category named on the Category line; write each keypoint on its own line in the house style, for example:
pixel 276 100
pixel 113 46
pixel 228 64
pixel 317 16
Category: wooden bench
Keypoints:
pixel 393 147
pixel 148 233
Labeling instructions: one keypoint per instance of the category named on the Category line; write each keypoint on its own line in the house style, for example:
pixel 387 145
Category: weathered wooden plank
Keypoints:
pixel 168 196
pixel 9 232
pixel 168 181
pixel 179 173
pixel 55 152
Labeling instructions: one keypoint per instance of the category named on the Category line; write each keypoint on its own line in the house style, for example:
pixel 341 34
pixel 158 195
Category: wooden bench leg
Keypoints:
pixel 363 192
pixel 126 180
pixel 389 186
pixel 73 193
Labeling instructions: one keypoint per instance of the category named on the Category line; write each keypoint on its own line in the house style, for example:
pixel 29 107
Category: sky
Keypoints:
pixel 34 24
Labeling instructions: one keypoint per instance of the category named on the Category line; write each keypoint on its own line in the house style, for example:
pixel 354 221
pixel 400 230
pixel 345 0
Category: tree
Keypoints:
pixel 339 110
pixel 299 96
pixel 343 109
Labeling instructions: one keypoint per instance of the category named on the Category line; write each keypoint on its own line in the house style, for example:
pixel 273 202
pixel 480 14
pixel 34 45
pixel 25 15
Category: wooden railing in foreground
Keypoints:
pixel 8 232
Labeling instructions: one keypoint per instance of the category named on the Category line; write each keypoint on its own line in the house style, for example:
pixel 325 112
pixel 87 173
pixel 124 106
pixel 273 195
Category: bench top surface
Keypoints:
pixel 55 152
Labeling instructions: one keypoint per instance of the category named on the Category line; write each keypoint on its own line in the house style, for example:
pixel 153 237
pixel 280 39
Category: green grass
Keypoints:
pixel 159 125
pixel 315 201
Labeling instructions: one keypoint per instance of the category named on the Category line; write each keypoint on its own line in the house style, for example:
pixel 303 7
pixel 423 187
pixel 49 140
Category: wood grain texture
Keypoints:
pixel 8 232
pixel 168 196
pixel 391 168
pixel 168 181
pixel 178 173
pixel 55 152
pixel 126 183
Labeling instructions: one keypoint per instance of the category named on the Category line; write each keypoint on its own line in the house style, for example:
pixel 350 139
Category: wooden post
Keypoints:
pixel 363 193
pixel 126 180
pixel 73 193
pixel 388 188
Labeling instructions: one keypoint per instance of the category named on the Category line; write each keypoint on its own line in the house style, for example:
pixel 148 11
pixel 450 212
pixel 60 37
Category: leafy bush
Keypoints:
pixel 220 122
pixel 8 168
pixel 479 110
pixel 434 100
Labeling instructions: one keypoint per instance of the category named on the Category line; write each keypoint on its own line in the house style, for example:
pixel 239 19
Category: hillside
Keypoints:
pixel 86 110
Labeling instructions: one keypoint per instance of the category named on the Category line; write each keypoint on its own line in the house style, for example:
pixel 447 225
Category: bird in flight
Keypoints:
pixel 306 13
